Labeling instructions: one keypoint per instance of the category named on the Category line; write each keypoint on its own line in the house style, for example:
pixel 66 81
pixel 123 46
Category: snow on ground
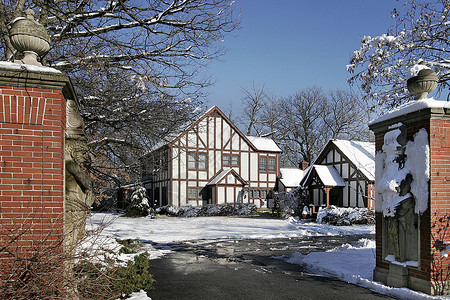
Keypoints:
pixel 353 264
pixel 350 263
pixel 204 229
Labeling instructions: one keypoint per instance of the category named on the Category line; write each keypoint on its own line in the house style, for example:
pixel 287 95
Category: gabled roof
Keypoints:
pixel 264 144
pixel 327 175
pixel 224 173
pixel 261 144
pixel 291 177
pixel 360 154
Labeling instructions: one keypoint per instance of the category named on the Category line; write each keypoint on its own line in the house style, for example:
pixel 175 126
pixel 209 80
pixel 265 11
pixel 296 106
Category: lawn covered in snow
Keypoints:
pixel 350 263
pixel 170 229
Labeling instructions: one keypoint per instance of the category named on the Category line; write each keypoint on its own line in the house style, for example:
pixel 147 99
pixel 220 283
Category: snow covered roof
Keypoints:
pixel 328 175
pixel 263 144
pixel 361 154
pixel 411 107
pixel 291 177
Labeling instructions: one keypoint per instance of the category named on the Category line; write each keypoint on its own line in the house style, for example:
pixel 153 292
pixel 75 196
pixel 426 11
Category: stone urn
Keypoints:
pixel 425 82
pixel 30 38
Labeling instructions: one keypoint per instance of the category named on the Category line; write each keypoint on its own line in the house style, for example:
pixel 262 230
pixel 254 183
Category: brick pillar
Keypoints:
pixel 432 274
pixel 32 126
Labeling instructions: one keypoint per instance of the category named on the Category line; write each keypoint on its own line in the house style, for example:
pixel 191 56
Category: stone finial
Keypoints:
pixel 30 38
pixel 425 82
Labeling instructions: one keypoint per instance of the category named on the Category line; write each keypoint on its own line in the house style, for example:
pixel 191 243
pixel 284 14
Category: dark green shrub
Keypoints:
pixel 97 281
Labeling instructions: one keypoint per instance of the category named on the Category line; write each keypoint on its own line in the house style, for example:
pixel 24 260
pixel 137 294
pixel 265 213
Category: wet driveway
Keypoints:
pixel 246 269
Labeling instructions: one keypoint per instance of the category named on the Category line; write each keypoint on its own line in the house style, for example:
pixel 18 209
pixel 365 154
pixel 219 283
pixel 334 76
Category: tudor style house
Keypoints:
pixel 211 162
pixel 343 175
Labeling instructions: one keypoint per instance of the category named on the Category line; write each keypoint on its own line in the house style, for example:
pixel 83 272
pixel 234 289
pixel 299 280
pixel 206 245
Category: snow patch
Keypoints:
pixel 414 71
pixel 25 67
pixel 411 263
pixel 418 161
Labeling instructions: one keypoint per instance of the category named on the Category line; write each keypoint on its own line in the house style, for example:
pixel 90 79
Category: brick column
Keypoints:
pixel 32 126
pixel 432 274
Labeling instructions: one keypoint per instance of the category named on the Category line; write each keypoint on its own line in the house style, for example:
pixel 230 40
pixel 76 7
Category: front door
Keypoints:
pixel 336 196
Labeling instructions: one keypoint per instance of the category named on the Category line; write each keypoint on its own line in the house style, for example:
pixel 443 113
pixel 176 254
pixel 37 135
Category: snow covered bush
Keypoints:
pixel 238 209
pixel 139 206
pixel 290 203
pixel 344 216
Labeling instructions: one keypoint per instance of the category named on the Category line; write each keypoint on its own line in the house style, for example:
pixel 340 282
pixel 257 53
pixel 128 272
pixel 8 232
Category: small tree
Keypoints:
pixel 381 65
pixel 139 206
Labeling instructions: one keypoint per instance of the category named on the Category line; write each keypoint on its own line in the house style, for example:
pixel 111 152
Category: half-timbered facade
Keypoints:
pixel 211 162
pixel 343 175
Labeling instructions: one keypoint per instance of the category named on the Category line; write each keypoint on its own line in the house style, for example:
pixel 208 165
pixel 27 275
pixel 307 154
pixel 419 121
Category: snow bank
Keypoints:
pixel 353 264
pixel 345 216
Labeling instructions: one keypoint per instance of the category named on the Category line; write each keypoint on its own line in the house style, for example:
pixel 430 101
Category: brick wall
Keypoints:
pixel 32 126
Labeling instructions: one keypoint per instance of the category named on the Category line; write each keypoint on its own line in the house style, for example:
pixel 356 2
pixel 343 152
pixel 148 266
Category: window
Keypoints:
pixel 250 193
pixel 202 161
pixel 235 160
pixel 272 164
pixel 192 160
pixel 256 194
pixel 263 164
pixel 263 193
pixel 192 193
pixel 226 160
pixel 197 160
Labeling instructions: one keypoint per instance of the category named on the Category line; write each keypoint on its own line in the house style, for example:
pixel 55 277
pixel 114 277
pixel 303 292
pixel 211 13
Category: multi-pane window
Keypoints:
pixel 263 193
pixel 272 164
pixel 267 164
pixel 192 160
pixel 197 160
pixel 263 163
pixel 235 160
pixel 192 193
pixel 202 161
pixel 230 160
pixel 226 160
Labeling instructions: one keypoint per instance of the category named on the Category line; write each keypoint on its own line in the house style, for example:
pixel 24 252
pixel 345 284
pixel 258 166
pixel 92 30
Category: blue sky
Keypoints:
pixel 288 45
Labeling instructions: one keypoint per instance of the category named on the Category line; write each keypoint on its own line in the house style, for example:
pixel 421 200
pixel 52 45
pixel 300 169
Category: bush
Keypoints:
pixel 345 216
pixel 97 281
pixel 139 206
pixel 238 209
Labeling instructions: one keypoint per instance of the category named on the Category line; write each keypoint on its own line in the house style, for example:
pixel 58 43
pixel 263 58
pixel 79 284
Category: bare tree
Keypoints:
pixel 255 99
pixel 380 67
pixel 135 65
pixel 346 116
pixel 300 132
pixel 301 124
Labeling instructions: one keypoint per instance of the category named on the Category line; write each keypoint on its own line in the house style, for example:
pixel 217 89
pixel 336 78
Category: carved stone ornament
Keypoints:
pixel 30 38
pixel 78 184
pixel 425 82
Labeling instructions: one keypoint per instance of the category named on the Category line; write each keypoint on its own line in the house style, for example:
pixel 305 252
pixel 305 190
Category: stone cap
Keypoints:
pixel 12 74
pixel 411 112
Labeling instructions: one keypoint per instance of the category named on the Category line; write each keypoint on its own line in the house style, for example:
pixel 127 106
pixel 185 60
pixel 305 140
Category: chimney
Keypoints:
pixel 303 165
